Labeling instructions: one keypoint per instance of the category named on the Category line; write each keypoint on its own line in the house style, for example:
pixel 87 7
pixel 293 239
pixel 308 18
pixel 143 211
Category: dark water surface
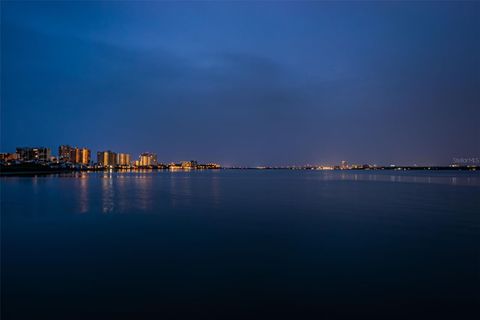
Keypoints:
pixel 241 245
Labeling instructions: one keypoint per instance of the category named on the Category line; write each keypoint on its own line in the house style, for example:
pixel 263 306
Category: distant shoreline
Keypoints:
pixel 396 168
pixel 20 172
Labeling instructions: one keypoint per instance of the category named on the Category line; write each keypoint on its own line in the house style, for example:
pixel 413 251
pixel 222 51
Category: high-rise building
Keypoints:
pixel 123 159
pixel 107 158
pixel 34 154
pixel 74 155
pixel 147 159
pixel 84 156
pixel 64 153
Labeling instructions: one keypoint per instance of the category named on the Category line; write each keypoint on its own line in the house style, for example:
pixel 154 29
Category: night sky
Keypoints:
pixel 245 83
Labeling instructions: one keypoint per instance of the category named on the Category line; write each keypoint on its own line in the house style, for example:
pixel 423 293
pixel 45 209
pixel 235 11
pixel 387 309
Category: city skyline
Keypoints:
pixel 83 156
pixel 245 84
pixel 456 159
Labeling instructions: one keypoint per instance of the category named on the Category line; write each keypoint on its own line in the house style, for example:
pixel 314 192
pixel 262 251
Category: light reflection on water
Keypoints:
pixel 83 193
pixel 453 178
pixel 148 190
pixel 143 191
pixel 326 238
pixel 153 192
pixel 108 193
pixel 142 196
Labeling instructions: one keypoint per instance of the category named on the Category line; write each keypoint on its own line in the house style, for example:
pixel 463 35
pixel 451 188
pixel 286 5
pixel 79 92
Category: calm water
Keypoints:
pixel 241 244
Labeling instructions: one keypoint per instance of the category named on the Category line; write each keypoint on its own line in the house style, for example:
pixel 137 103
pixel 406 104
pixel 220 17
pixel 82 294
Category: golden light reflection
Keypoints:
pixel 143 198
pixel 108 193
pixel 84 199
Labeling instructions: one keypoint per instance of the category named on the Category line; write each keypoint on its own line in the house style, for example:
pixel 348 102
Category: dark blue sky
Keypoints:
pixel 245 83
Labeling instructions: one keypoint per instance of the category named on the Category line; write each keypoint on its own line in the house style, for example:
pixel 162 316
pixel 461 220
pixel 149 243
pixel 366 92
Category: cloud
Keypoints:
pixel 237 95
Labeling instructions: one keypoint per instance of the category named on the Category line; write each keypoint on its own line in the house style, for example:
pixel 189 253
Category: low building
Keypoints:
pixel 189 164
pixel 175 166
pixel 209 166
pixel 7 157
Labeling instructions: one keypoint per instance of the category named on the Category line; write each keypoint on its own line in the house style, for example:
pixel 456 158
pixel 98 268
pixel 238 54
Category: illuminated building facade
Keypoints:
pixel 189 164
pixel 107 158
pixel 74 155
pixel 9 157
pixel 213 166
pixel 84 155
pixel 64 153
pixel 123 159
pixel 76 158
pixel 34 154
pixel 209 166
pixel 147 159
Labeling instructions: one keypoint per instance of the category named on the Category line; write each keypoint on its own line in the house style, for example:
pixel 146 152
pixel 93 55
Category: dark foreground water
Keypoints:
pixel 241 245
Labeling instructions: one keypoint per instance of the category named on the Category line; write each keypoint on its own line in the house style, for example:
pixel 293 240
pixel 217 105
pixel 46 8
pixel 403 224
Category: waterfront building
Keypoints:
pixel 7 157
pixel 107 158
pixel 186 165
pixel 189 164
pixel 84 156
pixel 147 159
pixel 123 159
pixel 208 166
pixel 325 168
pixel 34 154
pixel 76 157
pixel 213 166
pixel 174 166
pixel 67 153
